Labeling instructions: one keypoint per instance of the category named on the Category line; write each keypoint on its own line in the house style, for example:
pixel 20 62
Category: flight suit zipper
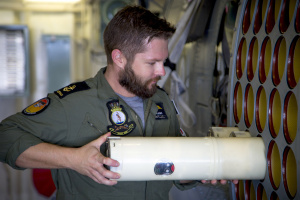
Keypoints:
pixel 147 112
pixel 135 118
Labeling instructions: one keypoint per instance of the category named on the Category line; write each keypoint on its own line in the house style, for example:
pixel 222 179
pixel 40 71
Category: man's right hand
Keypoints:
pixel 86 160
pixel 91 162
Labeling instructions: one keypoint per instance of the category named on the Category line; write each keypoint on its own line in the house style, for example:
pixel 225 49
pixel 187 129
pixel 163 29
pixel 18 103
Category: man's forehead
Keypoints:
pixel 152 57
pixel 156 49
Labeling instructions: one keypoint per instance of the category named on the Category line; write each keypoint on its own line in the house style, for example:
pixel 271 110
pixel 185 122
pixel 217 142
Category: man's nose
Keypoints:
pixel 160 69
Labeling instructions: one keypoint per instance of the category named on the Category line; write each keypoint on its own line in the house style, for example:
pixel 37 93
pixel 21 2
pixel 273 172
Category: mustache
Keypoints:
pixel 156 78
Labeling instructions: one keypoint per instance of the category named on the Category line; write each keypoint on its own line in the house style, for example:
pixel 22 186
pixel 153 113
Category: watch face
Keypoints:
pixel 164 168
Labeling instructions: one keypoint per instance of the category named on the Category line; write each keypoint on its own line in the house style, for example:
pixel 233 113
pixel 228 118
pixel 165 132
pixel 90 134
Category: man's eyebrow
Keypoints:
pixel 152 59
pixel 155 59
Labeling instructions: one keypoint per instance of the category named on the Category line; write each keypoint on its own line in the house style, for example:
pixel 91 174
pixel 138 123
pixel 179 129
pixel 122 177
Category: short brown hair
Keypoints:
pixel 131 28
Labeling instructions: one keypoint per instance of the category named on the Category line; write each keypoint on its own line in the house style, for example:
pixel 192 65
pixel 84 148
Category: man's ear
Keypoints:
pixel 118 58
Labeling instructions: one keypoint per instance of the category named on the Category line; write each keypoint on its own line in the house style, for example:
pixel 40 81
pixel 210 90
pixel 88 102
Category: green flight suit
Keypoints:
pixel 76 115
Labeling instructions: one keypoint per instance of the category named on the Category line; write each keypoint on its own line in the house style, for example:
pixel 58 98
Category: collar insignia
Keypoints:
pixel 119 119
pixel 161 114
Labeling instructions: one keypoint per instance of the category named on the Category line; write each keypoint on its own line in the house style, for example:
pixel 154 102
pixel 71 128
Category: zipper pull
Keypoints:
pixel 92 125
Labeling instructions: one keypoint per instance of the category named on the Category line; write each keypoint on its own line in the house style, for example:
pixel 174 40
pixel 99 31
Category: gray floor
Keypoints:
pixel 202 192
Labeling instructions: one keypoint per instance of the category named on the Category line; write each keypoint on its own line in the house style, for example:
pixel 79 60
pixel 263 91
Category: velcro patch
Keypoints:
pixel 161 114
pixel 74 87
pixel 37 107
pixel 118 117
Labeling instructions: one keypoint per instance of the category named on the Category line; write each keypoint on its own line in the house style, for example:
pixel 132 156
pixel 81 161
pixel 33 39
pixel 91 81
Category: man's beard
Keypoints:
pixel 135 85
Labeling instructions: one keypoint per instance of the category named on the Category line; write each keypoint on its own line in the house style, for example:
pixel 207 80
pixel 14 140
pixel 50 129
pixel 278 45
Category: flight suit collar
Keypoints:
pixel 105 91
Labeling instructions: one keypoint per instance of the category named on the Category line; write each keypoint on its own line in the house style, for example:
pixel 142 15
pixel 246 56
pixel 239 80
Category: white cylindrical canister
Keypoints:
pixel 188 158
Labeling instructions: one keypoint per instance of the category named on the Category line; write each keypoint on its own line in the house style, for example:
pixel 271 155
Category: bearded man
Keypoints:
pixel 64 131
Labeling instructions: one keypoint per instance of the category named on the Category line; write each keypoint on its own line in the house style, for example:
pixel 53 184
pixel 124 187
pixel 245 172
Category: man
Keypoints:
pixel 64 131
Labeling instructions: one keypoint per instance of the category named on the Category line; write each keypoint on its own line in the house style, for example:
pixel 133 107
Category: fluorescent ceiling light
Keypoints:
pixel 53 1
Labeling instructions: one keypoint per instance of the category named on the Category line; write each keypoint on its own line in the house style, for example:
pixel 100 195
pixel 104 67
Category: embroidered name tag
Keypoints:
pixel 74 87
pixel 119 119
pixel 161 114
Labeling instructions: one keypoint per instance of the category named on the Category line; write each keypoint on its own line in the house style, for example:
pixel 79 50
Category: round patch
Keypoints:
pixel 37 107
pixel 118 117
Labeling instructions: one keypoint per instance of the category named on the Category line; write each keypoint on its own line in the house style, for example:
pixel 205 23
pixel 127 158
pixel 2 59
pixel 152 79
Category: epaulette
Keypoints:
pixel 74 87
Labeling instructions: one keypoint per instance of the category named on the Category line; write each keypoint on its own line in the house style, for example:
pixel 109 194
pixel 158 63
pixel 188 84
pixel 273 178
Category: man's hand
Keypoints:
pixel 86 160
pixel 90 162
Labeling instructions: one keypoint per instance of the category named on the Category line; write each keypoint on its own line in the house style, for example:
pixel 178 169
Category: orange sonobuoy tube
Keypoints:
pixel 188 158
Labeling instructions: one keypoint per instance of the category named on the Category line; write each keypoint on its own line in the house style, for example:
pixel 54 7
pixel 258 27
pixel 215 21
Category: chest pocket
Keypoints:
pixel 90 129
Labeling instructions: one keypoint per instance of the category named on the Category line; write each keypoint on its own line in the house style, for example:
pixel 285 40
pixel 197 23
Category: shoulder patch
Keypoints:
pixel 37 107
pixel 74 87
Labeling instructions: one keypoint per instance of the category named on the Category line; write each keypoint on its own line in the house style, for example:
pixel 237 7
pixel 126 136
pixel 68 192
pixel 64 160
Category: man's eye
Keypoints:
pixel 151 63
